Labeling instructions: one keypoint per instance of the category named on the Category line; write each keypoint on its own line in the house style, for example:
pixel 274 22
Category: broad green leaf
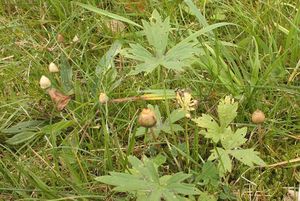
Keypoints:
pixel 21 137
pixel 178 177
pixel 184 189
pixel 159 160
pixel 247 156
pixel 176 115
pixel 160 92
pixel 170 196
pixel 134 161
pixel 234 140
pixel 107 60
pixel 227 111
pixel 143 180
pixel 213 130
pixel 140 131
pixel 255 65
pixel 180 56
pixel 139 53
pixel 108 14
pixel 57 127
pixel 222 155
pixel 66 74
pixel 121 181
pixel 155 196
pixel 31 125
pixel 209 174
pixel 169 128
pixel 157 32
pixel 205 196
pixel 206 121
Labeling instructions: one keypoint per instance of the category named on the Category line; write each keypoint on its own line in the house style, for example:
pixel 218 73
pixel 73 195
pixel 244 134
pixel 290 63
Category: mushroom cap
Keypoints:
pixel 258 117
pixel 147 118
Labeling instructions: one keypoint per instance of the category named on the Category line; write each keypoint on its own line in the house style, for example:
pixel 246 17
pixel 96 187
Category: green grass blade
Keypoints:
pixel 108 14
pixel 206 30
pixel 196 12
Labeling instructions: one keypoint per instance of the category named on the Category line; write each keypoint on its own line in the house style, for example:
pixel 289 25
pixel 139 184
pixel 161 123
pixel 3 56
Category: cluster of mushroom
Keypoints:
pixel 60 100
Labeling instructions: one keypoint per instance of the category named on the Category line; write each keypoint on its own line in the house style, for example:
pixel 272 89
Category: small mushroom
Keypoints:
pixel 45 82
pixel 147 118
pixel 75 39
pixel 258 117
pixel 53 68
pixel 103 98
pixel 60 38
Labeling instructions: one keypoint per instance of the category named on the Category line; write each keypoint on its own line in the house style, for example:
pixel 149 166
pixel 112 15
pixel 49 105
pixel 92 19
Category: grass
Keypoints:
pixel 256 60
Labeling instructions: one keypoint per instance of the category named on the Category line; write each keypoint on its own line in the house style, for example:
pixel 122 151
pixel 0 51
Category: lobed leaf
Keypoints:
pixel 213 130
pixel 234 140
pixel 157 32
pixel 227 111
pixel 222 155
pixel 247 156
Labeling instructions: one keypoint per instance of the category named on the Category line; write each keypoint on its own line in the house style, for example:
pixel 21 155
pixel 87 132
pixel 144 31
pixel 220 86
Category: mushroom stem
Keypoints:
pixel 153 134
pixel 260 135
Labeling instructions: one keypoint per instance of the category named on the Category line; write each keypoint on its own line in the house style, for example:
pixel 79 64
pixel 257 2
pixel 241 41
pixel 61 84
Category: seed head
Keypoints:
pixel 45 82
pixel 53 68
pixel 103 98
pixel 258 117
pixel 147 118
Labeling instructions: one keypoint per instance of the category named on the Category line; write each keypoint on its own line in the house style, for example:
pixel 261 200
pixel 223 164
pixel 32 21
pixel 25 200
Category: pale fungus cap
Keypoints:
pixel 53 68
pixel 103 98
pixel 147 118
pixel 258 117
pixel 45 82
pixel 75 39
pixel 60 38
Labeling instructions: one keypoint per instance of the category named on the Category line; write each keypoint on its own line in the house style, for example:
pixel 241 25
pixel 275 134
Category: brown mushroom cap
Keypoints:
pixel 258 117
pixel 147 118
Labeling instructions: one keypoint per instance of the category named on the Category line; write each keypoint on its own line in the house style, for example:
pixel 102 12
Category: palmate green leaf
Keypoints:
pixel 139 53
pixel 157 32
pixel 178 177
pixel 121 180
pixel 209 174
pixel 225 164
pixel 180 55
pixel 213 130
pixel 184 189
pixel 247 156
pixel 227 111
pixel 143 180
pixel 205 196
pixel 234 140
